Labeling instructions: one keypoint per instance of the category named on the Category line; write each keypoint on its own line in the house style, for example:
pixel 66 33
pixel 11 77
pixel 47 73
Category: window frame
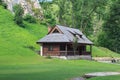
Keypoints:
pixel 50 48
pixel 61 47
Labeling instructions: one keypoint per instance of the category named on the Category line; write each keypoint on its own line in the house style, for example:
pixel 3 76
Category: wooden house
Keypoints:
pixel 59 43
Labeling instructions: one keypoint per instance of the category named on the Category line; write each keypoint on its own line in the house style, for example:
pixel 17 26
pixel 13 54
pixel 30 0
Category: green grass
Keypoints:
pixel 15 40
pixel 117 77
pixel 103 52
pixel 52 69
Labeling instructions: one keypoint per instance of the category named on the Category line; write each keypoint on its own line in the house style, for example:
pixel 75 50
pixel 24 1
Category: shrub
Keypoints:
pixel 30 19
pixel 48 57
pixel 3 4
pixel 18 15
pixel 30 47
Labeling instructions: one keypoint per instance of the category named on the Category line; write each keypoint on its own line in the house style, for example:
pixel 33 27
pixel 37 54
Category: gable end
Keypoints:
pixel 55 30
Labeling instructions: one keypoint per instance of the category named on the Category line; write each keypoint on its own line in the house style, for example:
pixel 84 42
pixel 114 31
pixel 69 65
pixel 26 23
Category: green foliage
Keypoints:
pixel 80 13
pixel 50 20
pixel 37 13
pixel 64 12
pixel 18 10
pixel 83 14
pixel 29 18
pixel 49 17
pixel 111 28
pixel 101 39
pixel 3 4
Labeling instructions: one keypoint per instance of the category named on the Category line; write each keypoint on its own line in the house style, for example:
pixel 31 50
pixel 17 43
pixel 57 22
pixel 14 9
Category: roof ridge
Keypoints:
pixel 67 27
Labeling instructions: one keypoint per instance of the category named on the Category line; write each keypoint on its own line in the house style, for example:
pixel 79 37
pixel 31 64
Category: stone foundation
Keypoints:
pixel 86 57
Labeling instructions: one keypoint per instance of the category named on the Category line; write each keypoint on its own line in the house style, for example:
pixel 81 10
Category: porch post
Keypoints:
pixel 41 52
pixel 66 50
pixel 90 49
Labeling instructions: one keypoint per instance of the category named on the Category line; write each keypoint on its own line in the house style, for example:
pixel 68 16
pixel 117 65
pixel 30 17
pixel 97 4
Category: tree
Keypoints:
pixel 18 10
pixel 49 17
pixel 29 18
pixel 64 12
pixel 75 44
pixel 111 29
pixel 83 13
pixel 61 11
pixel 1 2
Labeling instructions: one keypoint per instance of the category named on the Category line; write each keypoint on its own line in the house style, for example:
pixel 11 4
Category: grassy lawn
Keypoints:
pixel 39 68
pixel 106 78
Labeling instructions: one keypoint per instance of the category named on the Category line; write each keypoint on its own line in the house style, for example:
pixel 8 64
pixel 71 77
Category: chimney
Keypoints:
pixel 49 28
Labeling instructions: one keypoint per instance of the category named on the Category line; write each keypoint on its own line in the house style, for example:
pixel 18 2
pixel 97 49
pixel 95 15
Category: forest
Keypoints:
pixel 98 19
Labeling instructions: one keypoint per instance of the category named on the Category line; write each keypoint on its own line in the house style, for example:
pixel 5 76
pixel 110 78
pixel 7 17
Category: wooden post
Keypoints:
pixel 90 49
pixel 66 50
pixel 41 53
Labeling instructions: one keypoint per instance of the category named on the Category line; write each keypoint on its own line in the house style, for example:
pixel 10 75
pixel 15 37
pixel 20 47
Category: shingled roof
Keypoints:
pixel 67 35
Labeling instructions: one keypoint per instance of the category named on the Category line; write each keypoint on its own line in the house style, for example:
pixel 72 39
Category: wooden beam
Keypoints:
pixel 66 50
pixel 41 50
pixel 90 48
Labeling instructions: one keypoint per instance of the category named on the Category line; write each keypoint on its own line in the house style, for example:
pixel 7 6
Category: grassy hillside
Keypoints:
pixel 103 52
pixel 15 40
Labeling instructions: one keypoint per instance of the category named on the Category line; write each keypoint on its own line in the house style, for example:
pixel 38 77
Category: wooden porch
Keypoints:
pixel 66 53
pixel 81 50
pixel 65 50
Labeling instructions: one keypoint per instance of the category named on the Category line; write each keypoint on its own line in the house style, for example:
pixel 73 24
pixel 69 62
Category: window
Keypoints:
pixel 62 47
pixel 80 36
pixel 50 48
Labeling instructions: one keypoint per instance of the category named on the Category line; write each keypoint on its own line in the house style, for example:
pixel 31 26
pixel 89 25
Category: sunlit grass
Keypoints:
pixel 40 68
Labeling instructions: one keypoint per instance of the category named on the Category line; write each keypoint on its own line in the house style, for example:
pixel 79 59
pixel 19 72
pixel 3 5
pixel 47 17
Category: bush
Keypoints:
pixel 48 57
pixel 18 15
pixel 30 19
pixel 30 47
pixel 3 4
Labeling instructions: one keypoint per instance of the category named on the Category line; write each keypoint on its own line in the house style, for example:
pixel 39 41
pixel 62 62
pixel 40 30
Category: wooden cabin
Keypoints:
pixel 59 43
